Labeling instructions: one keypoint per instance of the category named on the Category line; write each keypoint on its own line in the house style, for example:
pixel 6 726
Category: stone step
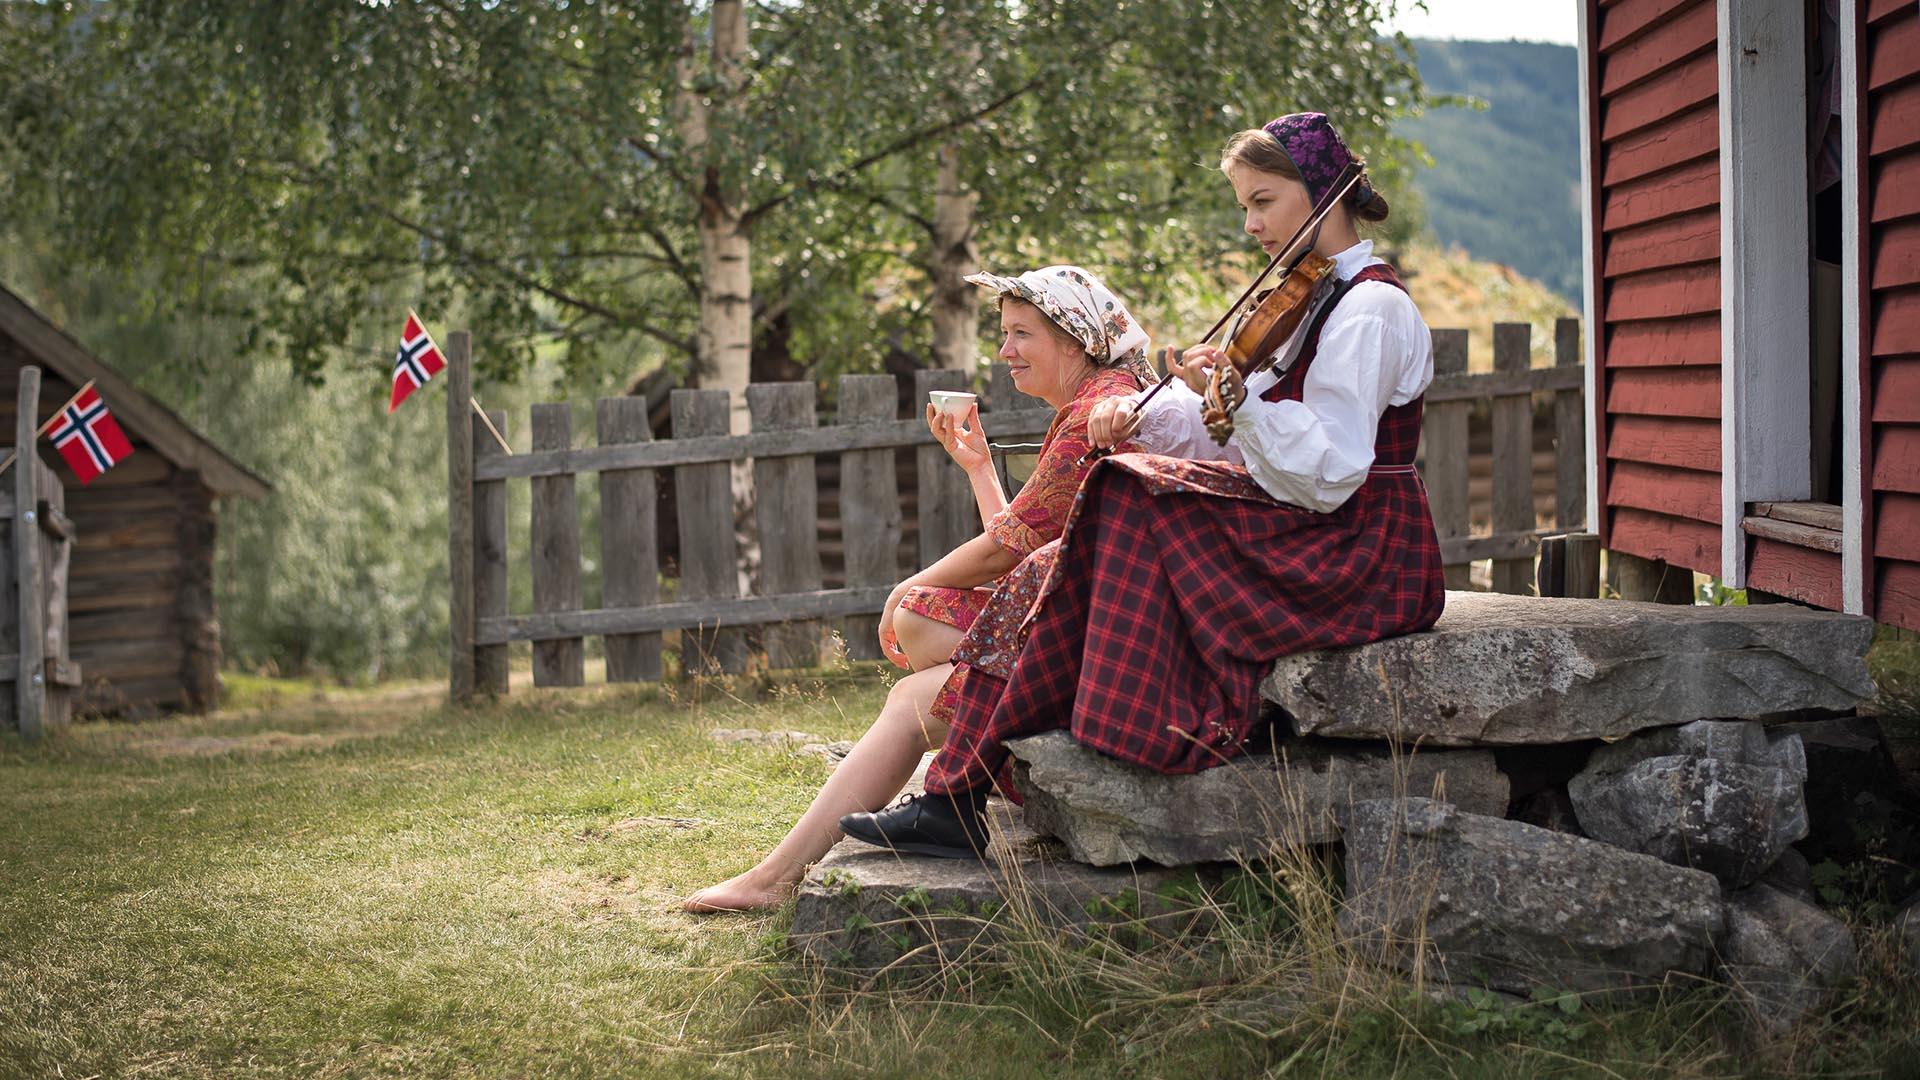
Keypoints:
pixel 1502 670
pixel 1108 812
pixel 863 908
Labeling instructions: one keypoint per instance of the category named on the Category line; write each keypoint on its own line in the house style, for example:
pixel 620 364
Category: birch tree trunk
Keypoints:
pixel 956 304
pixel 726 280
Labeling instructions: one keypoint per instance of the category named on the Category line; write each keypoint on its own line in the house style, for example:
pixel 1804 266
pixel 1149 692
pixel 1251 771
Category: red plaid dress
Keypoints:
pixel 1176 586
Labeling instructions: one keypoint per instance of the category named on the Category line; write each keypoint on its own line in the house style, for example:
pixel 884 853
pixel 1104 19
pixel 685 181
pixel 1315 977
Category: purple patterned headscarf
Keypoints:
pixel 1317 151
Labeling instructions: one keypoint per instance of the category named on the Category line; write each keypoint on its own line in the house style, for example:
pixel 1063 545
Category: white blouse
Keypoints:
pixel 1375 352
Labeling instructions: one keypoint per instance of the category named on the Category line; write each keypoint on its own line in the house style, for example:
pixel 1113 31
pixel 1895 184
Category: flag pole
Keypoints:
pixel 48 426
pixel 494 431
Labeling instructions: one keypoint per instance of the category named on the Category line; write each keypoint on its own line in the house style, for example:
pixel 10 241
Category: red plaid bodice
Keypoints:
pixel 1398 437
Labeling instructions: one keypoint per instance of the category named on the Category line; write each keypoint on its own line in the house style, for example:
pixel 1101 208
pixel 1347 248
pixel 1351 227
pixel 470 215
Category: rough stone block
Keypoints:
pixel 1515 670
pixel 1716 795
pixel 1109 812
pixel 1514 907
pixel 1782 955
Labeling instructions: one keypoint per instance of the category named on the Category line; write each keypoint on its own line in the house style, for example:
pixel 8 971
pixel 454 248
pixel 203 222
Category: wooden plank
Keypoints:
pixel 706 449
pixel 460 621
pixel 1828 516
pixel 136 592
pixel 1882 10
pixel 1893 54
pixel 1485 384
pixel 556 552
pixel 1444 429
pixel 1691 392
pixel 724 615
pixel 1550 572
pixel 1690 342
pixel 948 515
pixel 1678 241
pixel 158 530
pixel 1789 570
pixel 1896 390
pixel 787 507
pixel 1686 84
pixel 1896 597
pixel 1660 440
pixel 1623 21
pixel 1690 187
pixel 1678 35
pixel 1793 533
pixel 1679 492
pixel 156 560
pixel 1664 294
pixel 1896 322
pixel 147 658
pixel 1569 431
pixel 1895 187
pixel 1685 137
pixel 1894 119
pixel 869 506
pixel 30 681
pixel 1512 456
pixel 1581 577
pixel 1515 546
pixel 105 626
pixel 709 550
pixel 1896 526
pixel 629 540
pixel 1896 255
pixel 1896 458
pixel 490 662
pixel 196 614
pixel 1694 545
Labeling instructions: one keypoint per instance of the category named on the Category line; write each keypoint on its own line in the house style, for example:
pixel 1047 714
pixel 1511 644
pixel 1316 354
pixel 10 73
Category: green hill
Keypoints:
pixel 1505 182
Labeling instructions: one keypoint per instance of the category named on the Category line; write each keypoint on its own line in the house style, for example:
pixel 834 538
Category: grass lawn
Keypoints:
pixel 321 882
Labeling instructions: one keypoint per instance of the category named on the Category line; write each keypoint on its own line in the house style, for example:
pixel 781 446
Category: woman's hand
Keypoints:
pixel 1113 421
pixel 964 440
pixel 889 643
pixel 1195 366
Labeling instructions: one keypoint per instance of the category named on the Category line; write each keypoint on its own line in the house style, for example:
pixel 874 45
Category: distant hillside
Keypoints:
pixel 1455 290
pixel 1505 183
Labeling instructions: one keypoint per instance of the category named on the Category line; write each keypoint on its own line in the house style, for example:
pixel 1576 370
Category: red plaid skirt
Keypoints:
pixel 1177 584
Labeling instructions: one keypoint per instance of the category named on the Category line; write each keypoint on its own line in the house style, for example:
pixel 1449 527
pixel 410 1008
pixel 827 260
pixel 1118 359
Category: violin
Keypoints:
pixel 1276 314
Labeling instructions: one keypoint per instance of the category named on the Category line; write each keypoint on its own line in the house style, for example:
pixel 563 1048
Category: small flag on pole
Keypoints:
pixel 88 436
pixel 418 361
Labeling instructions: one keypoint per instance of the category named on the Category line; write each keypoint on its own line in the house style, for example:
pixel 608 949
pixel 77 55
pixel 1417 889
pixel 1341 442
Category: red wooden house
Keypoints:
pixel 1752 212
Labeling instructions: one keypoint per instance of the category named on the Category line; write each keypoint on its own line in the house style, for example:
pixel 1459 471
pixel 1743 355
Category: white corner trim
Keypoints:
pixel 1853 549
pixel 1765 319
pixel 1590 285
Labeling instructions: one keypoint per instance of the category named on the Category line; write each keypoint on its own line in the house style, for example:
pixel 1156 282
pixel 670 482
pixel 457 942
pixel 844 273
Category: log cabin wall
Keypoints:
pixel 1889 66
pixel 143 628
pixel 1654 131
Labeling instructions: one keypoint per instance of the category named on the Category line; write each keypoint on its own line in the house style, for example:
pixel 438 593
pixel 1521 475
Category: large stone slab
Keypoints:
pixel 1513 670
pixel 863 908
pixel 1515 907
pixel 1108 812
pixel 1717 795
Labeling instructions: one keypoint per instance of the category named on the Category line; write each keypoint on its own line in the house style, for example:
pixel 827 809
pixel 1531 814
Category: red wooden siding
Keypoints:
pixel 1890 102
pixel 1656 155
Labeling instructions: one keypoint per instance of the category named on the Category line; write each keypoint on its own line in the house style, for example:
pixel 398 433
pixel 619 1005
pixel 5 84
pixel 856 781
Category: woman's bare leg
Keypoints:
pixel 928 643
pixel 879 765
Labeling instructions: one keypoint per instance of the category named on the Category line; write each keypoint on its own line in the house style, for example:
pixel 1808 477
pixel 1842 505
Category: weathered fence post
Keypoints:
pixel 787 507
pixel 709 552
pixel 629 544
pixel 490 671
pixel 1569 432
pixel 460 612
pixel 1445 431
pixel 556 552
pixel 869 506
pixel 30 680
pixel 1513 456
pixel 948 517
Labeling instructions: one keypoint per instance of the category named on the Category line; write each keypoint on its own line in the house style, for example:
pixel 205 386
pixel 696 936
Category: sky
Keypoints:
pixel 1489 20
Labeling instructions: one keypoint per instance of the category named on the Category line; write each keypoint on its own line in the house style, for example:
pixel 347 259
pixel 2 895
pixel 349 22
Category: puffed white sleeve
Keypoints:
pixel 1170 424
pixel 1315 452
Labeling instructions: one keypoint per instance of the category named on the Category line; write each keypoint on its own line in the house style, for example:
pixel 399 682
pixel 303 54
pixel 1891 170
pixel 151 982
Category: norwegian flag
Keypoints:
pixel 88 436
pixel 419 360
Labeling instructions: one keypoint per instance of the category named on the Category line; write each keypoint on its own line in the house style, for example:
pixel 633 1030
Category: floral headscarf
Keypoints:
pixel 1317 151
pixel 1078 303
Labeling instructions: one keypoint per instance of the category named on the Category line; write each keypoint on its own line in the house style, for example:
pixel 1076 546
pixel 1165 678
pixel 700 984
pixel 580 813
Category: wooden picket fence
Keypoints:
pixel 36 547
pixel 709 614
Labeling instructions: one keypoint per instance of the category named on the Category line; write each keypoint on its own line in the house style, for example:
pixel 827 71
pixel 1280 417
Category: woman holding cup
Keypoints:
pixel 1070 342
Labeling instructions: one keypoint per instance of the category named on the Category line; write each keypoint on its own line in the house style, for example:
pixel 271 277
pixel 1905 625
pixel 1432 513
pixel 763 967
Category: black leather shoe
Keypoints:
pixel 947 827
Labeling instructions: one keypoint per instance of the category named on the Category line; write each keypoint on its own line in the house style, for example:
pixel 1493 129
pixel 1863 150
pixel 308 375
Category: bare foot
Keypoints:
pixel 746 892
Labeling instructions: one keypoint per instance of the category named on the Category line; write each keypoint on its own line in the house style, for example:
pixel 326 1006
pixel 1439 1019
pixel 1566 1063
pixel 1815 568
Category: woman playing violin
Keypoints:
pixel 1183 575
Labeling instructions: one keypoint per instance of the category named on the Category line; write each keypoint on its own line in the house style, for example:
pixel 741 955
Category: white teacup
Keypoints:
pixel 951 402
